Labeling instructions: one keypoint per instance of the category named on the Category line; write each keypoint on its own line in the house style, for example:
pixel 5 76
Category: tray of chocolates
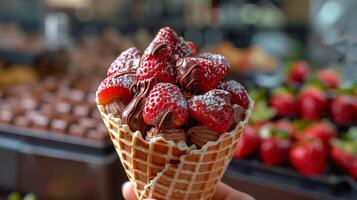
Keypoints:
pixel 54 111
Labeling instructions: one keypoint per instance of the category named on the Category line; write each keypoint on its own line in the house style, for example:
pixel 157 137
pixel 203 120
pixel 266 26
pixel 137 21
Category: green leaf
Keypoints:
pixel 262 112
pixel 14 196
pixel 352 134
pixel 30 196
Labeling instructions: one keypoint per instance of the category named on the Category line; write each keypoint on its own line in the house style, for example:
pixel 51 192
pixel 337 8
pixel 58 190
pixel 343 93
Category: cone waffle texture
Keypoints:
pixel 163 169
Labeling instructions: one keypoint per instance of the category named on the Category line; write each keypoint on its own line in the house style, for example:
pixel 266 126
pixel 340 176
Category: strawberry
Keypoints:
pixel 114 87
pixel 313 103
pixel 184 49
pixel 248 143
pixel 274 151
pixel 343 110
pixel 329 78
pixel 165 107
pixel 341 157
pixel 167 36
pixel 309 157
pixel 215 57
pixel 285 104
pixel 157 65
pixel 344 152
pixel 177 46
pixel 213 109
pixel 199 74
pixel 237 91
pixel 285 125
pixel 353 169
pixel 298 72
pixel 193 48
pixel 126 62
pixel 321 130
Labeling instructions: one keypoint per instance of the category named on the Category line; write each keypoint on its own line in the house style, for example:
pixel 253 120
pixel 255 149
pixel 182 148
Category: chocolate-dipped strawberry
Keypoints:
pixel 133 112
pixel 156 63
pixel 165 107
pixel 199 75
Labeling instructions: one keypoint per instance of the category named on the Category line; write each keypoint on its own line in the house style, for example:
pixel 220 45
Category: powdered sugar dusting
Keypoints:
pixel 213 100
pixel 122 61
pixel 124 81
pixel 215 57
pixel 232 86
pixel 170 92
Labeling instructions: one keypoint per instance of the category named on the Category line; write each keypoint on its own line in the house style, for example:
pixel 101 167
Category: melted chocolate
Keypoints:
pixel 175 135
pixel 155 47
pixel 187 73
pixel 133 112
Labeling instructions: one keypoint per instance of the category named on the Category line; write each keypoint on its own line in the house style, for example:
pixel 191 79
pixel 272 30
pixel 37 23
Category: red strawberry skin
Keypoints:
pixel 329 78
pixel 341 158
pixel 248 143
pixel 285 104
pixel 199 74
pixel 115 86
pixel 313 104
pixel 127 61
pixel 284 125
pixel 309 157
pixel 298 72
pixel 213 109
pixel 167 36
pixel 321 130
pixel 165 107
pixel 237 91
pixel 274 151
pixel 177 46
pixel 353 169
pixel 343 110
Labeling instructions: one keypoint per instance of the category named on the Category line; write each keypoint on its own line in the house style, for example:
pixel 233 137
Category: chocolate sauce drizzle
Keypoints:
pixel 186 72
pixel 133 112
pixel 155 47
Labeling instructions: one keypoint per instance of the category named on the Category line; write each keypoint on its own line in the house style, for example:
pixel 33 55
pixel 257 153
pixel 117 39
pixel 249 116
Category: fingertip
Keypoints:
pixel 128 192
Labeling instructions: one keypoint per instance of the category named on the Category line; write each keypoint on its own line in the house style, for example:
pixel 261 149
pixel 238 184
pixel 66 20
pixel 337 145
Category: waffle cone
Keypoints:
pixel 163 169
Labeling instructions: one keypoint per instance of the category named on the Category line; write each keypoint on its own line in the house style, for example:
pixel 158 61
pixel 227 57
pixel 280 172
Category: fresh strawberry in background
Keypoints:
pixel 165 107
pixel 114 87
pixel 353 169
pixel 329 78
pixel 344 150
pixel 275 151
pixel 341 156
pixel 298 72
pixel 285 125
pixel 237 91
pixel 323 130
pixel 285 104
pixel 313 103
pixel 308 157
pixel 275 146
pixel 248 143
pixel 343 110
pixel 213 109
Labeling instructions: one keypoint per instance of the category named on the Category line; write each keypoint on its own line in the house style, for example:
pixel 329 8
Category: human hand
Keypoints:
pixel 223 192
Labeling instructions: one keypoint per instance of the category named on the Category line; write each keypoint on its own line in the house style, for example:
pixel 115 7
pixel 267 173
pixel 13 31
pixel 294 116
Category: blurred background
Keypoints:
pixel 297 59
